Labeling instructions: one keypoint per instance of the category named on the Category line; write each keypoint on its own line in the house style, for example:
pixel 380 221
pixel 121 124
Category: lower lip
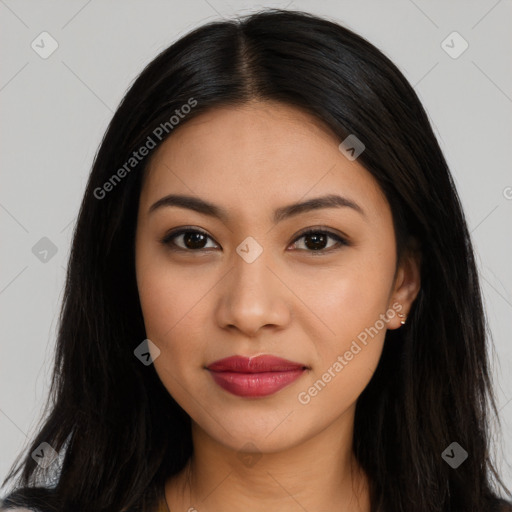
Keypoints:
pixel 255 384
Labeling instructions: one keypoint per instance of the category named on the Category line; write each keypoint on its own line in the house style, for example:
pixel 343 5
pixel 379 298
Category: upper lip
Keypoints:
pixel 254 364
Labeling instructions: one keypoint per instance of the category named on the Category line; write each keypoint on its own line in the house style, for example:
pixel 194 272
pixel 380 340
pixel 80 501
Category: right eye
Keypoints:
pixel 190 239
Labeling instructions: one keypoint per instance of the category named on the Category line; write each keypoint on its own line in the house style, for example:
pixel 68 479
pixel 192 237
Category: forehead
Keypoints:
pixel 260 153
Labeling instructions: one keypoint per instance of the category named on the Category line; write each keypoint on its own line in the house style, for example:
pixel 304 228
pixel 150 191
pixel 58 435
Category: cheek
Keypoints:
pixel 170 303
pixel 168 294
pixel 171 319
pixel 350 296
pixel 172 311
pixel 350 300
pixel 346 361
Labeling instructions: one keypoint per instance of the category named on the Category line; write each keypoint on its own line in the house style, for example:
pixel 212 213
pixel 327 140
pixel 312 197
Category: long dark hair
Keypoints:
pixel 119 432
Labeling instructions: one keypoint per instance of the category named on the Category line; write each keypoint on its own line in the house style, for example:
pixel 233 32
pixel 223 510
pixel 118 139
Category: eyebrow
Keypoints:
pixel 206 208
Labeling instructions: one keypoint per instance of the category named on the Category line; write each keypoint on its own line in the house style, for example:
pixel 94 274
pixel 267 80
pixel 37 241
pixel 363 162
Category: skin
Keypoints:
pixel 292 302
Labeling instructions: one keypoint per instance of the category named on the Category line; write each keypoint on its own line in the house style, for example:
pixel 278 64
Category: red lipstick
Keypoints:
pixel 255 376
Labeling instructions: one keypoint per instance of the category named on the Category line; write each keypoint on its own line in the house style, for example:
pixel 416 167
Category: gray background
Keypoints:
pixel 55 111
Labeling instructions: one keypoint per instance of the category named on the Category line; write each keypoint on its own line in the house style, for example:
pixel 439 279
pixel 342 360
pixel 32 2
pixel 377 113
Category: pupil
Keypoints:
pixel 319 239
pixel 194 238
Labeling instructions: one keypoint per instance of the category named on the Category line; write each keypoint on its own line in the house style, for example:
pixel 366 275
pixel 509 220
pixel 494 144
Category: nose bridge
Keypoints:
pixel 252 295
pixel 251 275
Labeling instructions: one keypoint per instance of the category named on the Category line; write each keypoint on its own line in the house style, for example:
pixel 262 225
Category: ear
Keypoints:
pixel 406 285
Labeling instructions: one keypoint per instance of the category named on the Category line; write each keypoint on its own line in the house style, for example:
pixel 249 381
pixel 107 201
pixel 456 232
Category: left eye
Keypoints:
pixel 319 238
pixel 194 240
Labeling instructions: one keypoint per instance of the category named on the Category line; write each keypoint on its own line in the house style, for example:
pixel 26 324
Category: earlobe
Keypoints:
pixel 407 286
pixel 402 317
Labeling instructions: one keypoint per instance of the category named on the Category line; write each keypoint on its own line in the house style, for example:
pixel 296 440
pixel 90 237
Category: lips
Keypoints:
pixel 255 364
pixel 255 376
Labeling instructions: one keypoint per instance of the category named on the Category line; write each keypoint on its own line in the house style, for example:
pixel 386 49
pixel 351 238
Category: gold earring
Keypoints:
pixel 403 317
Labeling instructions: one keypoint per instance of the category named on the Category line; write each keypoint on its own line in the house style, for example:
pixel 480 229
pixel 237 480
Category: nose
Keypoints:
pixel 253 296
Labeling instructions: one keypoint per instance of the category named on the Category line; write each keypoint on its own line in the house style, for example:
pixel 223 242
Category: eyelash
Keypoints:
pixel 168 239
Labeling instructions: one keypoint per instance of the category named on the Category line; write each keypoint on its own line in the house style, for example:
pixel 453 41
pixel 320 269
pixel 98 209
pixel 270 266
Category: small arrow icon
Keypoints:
pixel 44 455
pixel 454 45
pixel 44 45
pixel 454 455
pixel 147 352
pixel 44 250
pixel 249 245
pixel 351 147
pixel 250 459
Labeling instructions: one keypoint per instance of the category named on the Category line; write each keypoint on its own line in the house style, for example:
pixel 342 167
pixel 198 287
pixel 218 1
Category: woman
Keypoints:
pixel 271 300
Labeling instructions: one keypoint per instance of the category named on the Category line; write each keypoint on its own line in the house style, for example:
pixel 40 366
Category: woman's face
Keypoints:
pixel 251 283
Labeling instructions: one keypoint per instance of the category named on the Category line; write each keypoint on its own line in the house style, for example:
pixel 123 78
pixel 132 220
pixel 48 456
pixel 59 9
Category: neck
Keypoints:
pixel 321 473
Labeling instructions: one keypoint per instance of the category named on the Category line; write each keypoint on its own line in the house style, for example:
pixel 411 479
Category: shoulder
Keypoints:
pixel 39 499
